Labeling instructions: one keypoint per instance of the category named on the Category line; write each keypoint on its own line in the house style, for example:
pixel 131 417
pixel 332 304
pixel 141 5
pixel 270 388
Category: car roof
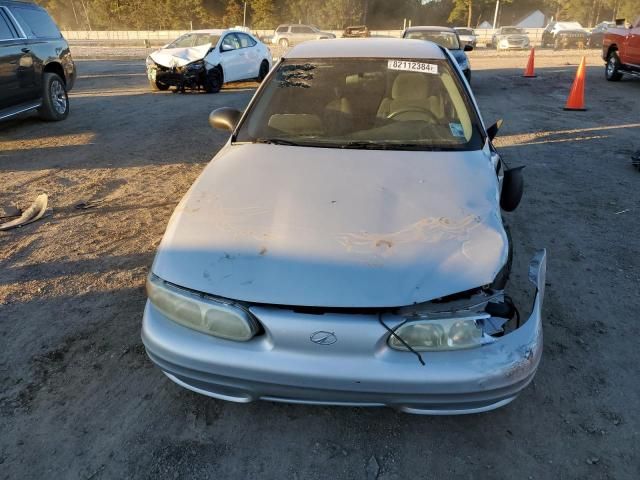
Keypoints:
pixel 212 31
pixel 7 3
pixel 430 28
pixel 367 48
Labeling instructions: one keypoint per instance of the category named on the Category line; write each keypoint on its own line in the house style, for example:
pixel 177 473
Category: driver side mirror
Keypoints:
pixel 493 130
pixel 468 47
pixel 512 189
pixel 225 118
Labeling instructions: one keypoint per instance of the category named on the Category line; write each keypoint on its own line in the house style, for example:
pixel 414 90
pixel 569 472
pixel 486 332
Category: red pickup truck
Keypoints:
pixel 621 51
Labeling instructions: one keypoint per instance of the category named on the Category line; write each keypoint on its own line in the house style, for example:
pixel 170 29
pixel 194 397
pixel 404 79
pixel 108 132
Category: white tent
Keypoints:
pixel 484 24
pixel 535 19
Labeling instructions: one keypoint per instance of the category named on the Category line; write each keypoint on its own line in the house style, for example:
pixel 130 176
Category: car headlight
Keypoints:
pixel 441 334
pixel 504 43
pixel 198 312
pixel 150 62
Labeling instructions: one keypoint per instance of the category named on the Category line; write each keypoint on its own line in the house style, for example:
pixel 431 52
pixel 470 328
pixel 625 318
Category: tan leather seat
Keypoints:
pixel 412 91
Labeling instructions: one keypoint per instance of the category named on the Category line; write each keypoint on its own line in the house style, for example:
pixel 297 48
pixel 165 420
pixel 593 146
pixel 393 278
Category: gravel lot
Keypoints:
pixel 80 399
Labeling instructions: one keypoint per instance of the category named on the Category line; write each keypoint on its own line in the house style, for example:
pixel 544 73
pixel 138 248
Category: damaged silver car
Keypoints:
pixel 346 246
pixel 206 59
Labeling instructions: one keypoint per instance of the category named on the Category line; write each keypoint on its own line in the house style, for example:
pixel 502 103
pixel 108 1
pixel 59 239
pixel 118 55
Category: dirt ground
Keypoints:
pixel 80 399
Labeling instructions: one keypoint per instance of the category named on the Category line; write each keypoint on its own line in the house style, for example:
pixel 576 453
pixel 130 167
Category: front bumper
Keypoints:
pixel 357 370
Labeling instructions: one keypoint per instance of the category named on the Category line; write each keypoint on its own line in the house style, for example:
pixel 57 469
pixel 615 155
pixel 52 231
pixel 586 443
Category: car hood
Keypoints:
pixel 179 57
pixel 460 56
pixel 512 36
pixel 573 30
pixel 336 228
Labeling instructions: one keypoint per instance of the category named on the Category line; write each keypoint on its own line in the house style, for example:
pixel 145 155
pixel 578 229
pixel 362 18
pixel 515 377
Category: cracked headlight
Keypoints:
pixel 195 66
pixel 207 315
pixel 149 62
pixel 441 334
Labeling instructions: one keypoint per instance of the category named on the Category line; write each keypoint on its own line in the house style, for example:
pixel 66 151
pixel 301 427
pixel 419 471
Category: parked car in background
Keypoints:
pixel 347 246
pixel 565 35
pixel 467 36
pixel 510 38
pixel 621 51
pixel 358 31
pixel 445 37
pixel 206 59
pixel 36 68
pixel 597 34
pixel 286 35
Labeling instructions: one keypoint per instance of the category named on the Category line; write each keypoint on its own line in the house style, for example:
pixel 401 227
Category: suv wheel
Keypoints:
pixel 612 70
pixel 283 42
pixel 55 101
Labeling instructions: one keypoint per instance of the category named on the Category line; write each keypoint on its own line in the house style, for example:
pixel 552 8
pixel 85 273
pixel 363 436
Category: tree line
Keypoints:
pixel 328 14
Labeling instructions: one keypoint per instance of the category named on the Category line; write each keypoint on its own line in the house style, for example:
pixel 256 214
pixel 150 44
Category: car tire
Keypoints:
pixel 156 86
pixel 263 70
pixel 283 42
pixel 55 101
pixel 214 80
pixel 612 69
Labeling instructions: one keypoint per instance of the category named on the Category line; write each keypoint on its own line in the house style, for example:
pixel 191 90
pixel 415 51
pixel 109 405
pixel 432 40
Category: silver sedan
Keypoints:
pixel 346 246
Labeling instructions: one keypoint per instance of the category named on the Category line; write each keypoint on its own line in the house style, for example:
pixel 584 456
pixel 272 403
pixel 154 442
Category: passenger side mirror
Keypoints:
pixel 492 131
pixel 225 118
pixel 468 48
pixel 512 189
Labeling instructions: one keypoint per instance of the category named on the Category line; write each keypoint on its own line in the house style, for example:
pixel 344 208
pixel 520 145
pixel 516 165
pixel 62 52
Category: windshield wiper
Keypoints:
pixel 367 145
pixel 276 141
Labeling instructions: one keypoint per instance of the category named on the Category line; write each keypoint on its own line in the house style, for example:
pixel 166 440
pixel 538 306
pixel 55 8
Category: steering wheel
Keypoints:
pixel 427 113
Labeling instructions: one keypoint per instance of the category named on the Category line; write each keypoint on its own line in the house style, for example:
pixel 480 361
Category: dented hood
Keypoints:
pixel 179 57
pixel 336 228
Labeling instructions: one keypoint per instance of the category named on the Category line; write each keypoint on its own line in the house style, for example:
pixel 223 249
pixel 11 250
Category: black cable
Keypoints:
pixel 401 340
pixel 509 301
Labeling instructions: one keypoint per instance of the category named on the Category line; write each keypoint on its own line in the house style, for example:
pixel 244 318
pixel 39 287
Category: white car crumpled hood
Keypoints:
pixel 179 57
pixel 336 228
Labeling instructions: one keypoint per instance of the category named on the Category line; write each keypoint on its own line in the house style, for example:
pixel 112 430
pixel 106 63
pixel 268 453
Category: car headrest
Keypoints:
pixel 409 86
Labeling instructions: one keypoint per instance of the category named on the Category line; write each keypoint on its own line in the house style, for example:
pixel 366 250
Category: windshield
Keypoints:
pixel 511 30
pixel 444 39
pixel 194 40
pixel 364 103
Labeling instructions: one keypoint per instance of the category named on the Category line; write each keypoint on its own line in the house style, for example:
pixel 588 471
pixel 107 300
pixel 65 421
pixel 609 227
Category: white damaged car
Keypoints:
pixel 206 59
pixel 347 245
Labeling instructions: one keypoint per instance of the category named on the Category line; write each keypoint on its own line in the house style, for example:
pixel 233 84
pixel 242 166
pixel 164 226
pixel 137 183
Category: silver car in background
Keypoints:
pixel 510 38
pixel 346 246
pixel 287 35
pixel 467 36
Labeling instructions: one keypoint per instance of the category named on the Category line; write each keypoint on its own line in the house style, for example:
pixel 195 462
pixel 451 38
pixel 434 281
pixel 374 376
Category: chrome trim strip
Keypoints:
pixel 18 112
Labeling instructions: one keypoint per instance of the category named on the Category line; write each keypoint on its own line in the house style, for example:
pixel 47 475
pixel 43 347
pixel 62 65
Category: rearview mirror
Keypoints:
pixel 493 130
pixel 468 47
pixel 225 118
pixel 512 189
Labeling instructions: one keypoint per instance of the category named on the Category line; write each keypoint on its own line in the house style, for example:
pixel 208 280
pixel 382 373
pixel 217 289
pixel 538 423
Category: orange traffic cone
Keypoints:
pixel 576 96
pixel 530 71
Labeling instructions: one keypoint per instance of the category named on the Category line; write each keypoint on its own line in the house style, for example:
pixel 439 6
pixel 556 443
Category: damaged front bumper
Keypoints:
pixel 357 369
pixel 191 76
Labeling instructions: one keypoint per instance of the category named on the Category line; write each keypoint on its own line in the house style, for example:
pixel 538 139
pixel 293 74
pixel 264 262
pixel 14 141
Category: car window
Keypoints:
pixel 444 39
pixel 465 31
pixel 185 41
pixel 512 30
pixel 6 32
pixel 203 39
pixel 282 29
pixel 36 22
pixel 301 30
pixel 230 42
pixel 364 103
pixel 245 40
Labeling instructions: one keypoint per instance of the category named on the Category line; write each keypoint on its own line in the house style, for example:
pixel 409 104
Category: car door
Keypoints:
pixel 231 58
pixel 11 54
pixel 250 56
pixel 633 47
pixel 297 34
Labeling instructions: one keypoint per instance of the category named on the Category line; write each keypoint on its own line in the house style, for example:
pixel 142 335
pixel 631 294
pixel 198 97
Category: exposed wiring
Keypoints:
pixel 401 340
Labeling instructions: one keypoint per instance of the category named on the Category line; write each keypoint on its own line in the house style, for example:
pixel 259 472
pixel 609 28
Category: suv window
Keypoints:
pixel 301 30
pixel 37 22
pixel 282 29
pixel 245 40
pixel 6 32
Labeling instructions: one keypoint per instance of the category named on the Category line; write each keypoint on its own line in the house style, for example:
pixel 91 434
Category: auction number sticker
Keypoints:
pixel 410 66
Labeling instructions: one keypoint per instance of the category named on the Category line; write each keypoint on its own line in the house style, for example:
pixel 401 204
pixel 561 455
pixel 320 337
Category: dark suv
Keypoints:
pixel 36 68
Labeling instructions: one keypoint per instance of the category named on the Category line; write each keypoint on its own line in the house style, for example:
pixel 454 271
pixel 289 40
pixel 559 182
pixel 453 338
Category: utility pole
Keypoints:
pixel 244 15
pixel 495 15
pixel 470 13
